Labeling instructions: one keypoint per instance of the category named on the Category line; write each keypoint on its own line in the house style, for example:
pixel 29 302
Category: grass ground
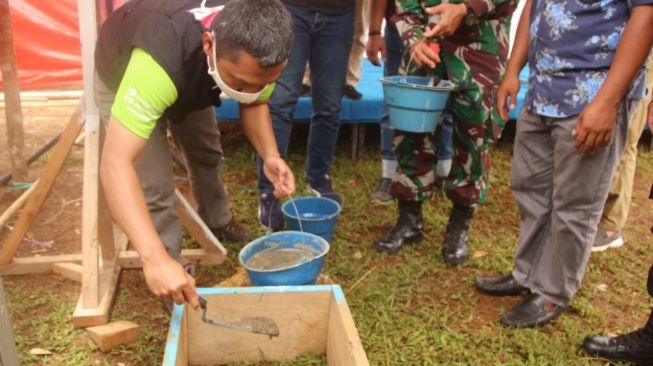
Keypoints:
pixel 409 308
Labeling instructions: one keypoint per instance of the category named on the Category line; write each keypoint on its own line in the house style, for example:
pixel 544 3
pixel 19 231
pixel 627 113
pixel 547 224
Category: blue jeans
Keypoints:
pixel 394 50
pixel 445 147
pixel 324 41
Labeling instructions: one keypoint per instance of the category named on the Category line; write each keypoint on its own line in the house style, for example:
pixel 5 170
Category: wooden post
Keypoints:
pixel 43 187
pixel 13 109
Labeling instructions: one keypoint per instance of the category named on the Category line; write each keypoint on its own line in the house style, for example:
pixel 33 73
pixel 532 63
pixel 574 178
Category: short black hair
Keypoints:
pixel 262 28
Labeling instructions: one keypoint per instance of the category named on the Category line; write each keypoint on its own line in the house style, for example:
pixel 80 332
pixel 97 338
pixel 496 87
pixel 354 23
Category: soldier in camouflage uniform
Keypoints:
pixel 473 57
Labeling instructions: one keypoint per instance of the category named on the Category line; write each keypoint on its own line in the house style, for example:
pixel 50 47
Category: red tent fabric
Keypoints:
pixel 46 38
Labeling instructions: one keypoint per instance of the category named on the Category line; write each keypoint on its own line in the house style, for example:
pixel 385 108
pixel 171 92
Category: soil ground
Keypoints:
pixel 409 309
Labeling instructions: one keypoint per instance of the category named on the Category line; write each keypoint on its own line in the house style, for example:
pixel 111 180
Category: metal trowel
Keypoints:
pixel 258 325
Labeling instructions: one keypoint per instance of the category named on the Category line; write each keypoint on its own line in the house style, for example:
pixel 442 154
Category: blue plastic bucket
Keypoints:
pixel 303 272
pixel 414 106
pixel 318 215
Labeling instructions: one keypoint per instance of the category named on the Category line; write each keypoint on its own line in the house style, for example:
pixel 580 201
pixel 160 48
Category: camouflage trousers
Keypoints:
pixel 476 125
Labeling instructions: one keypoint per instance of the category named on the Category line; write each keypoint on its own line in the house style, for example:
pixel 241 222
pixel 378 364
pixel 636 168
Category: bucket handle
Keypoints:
pixel 434 80
pixel 299 219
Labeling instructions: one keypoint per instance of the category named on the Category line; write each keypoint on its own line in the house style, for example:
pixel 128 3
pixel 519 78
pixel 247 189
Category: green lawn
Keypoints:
pixel 409 310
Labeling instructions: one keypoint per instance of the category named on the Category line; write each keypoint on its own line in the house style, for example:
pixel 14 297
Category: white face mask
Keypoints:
pixel 241 97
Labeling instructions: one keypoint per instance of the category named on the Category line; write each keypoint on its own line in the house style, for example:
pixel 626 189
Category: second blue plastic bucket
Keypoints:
pixel 318 215
pixel 413 105
pixel 301 273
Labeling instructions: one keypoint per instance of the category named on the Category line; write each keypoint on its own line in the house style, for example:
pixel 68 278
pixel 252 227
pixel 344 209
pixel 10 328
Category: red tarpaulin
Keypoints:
pixel 46 37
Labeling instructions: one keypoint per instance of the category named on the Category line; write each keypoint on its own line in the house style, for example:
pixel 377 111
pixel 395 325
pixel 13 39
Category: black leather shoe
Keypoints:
pixel 407 230
pixel 455 249
pixel 351 93
pixel 636 347
pixel 533 311
pixel 499 285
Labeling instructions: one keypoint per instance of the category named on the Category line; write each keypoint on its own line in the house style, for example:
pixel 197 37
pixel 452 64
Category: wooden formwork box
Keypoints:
pixel 311 320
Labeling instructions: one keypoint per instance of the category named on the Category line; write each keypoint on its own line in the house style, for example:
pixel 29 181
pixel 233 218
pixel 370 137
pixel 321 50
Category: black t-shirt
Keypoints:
pixel 167 31
pixel 331 7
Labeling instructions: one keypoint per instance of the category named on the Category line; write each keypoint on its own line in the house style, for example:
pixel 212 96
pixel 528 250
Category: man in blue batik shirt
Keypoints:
pixel 586 60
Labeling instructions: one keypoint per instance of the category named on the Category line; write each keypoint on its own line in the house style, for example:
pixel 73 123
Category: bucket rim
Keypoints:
pixel 327 247
pixel 390 80
pixel 321 218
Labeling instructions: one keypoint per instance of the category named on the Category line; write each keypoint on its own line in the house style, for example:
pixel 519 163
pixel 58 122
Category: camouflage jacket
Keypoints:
pixel 411 18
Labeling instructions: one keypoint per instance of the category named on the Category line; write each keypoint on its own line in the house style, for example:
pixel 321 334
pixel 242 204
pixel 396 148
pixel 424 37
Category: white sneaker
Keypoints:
pixel 603 242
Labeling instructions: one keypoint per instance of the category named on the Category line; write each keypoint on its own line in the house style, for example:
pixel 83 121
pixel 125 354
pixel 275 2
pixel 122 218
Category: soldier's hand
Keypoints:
pixel 593 129
pixel 423 56
pixel 507 94
pixel 451 15
pixel 375 45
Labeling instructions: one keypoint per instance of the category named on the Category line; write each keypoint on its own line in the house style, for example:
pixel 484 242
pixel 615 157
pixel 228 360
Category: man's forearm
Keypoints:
pixel 124 195
pixel 257 126
pixel 377 11
pixel 634 46
pixel 519 53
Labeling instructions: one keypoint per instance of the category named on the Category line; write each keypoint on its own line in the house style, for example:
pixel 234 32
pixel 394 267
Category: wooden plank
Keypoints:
pixel 197 228
pixel 127 260
pixel 176 350
pixel 40 264
pixel 43 188
pixel 114 334
pixel 302 318
pixel 105 221
pixel 85 316
pixel 71 271
pixel 344 346
pixel 17 204
pixel 91 217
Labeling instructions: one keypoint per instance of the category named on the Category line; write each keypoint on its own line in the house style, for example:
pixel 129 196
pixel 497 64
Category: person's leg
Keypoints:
pixel 198 137
pixel 412 184
pixel 467 182
pixel 445 150
pixel 615 211
pixel 580 186
pixel 282 105
pixel 531 181
pixel 357 50
pixel 330 46
pixel 394 50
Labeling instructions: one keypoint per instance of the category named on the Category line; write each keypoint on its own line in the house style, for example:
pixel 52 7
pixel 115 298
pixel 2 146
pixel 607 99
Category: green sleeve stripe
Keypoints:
pixel 267 93
pixel 145 92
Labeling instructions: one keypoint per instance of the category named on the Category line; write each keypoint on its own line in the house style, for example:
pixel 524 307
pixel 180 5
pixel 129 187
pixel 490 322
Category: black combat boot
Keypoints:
pixel 454 249
pixel 635 347
pixel 407 230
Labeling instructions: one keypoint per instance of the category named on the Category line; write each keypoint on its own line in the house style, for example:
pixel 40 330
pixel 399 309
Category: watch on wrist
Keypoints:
pixel 373 33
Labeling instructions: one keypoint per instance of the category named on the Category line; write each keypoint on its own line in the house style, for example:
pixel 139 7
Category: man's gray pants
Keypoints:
pixel 198 137
pixel 560 196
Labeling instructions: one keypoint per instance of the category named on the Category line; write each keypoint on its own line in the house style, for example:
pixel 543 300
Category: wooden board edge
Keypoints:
pixel 344 346
pixel 128 259
pixel 175 353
